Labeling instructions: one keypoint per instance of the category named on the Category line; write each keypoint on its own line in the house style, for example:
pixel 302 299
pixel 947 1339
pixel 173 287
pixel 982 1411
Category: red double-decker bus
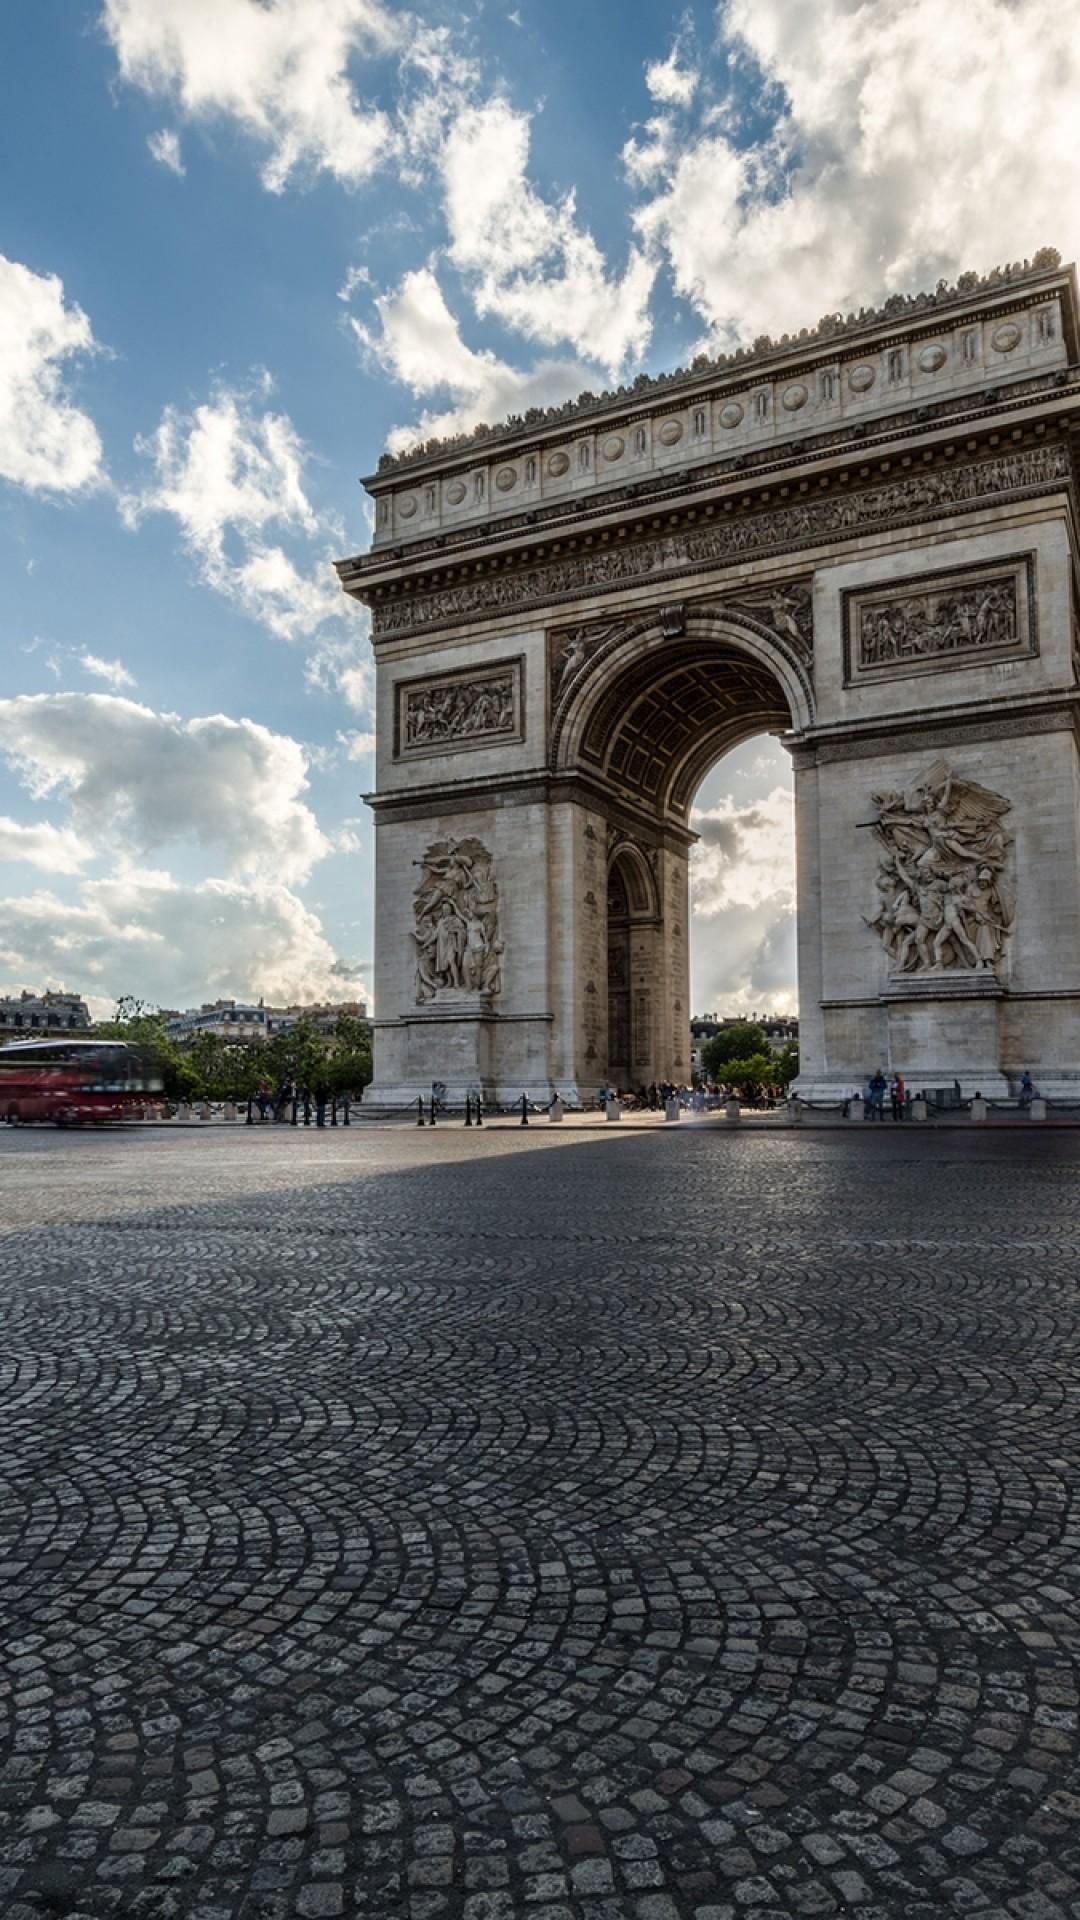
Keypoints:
pixel 73 1081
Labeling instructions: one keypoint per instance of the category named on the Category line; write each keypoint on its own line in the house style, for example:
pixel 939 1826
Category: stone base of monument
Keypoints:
pixel 945 1027
pixel 457 1040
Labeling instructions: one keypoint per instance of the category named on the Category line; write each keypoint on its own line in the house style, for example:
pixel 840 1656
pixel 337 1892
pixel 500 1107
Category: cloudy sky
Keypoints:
pixel 245 244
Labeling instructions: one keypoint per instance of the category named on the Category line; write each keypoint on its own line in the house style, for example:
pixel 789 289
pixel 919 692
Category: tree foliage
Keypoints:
pixel 756 1070
pixel 212 1067
pixel 735 1042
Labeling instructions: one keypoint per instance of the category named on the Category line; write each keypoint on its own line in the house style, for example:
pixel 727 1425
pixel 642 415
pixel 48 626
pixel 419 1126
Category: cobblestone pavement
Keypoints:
pixel 671 1525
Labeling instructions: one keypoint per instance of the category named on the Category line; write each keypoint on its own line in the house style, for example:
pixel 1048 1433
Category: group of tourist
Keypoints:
pixel 704 1097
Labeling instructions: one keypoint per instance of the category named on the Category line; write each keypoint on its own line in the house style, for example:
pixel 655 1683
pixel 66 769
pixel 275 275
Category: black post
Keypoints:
pixel 420 1110
pixel 468 1110
pixel 524 1111
pixel 333 1110
pixel 249 1122
pixel 307 1110
pixel 431 1122
pixel 292 1121
pixel 345 1104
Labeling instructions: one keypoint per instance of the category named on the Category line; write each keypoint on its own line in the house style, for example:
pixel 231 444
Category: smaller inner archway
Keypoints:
pixel 633 930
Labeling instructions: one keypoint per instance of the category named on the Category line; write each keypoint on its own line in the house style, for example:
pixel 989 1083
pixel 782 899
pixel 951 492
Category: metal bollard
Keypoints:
pixel 292 1121
pixel 420 1110
pixel 524 1111
pixel 468 1110
pixel 249 1122
pixel 431 1122
pixel 345 1111
pixel 479 1112
pixel 307 1111
pixel 333 1111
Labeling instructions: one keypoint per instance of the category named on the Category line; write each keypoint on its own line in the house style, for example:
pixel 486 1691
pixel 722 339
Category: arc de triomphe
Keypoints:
pixel 862 540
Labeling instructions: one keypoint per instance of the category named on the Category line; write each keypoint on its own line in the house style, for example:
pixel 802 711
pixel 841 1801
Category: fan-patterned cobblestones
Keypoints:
pixel 667 1526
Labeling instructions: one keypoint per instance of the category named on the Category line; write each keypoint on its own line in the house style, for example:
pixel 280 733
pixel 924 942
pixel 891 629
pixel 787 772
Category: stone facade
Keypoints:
pixel 861 543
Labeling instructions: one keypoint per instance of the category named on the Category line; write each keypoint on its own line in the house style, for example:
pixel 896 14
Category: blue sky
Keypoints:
pixel 247 243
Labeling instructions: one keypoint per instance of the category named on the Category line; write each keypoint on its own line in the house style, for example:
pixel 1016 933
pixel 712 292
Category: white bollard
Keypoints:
pixel 733 1113
pixel 183 1111
pixel 555 1111
pixel 613 1109
pixel 918 1109
pixel 794 1111
pixel 979 1110
pixel 1038 1108
pixel 672 1110
pixel 204 1111
pixel 855 1108
pixel 230 1110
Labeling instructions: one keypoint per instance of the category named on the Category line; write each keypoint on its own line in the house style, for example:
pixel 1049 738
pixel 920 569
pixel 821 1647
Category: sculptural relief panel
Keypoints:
pixel 477 708
pixel 944 902
pixel 957 618
pixel 456 912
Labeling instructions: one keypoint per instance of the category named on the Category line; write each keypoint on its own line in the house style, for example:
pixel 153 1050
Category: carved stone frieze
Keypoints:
pixel 456 910
pixel 943 901
pixel 788 609
pixel 573 649
pixel 731 539
pixel 459 710
pixel 941 620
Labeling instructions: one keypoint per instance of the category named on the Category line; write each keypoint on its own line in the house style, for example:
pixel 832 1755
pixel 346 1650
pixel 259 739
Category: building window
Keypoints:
pixel 896 364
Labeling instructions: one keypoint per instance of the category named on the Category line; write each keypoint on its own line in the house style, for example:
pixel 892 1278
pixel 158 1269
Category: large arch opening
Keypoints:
pixel 649 723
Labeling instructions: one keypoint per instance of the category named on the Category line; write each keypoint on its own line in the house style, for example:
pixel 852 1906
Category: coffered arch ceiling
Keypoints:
pixel 667 716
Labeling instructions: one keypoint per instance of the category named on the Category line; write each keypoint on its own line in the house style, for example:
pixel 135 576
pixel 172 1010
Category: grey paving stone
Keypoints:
pixel 460 1528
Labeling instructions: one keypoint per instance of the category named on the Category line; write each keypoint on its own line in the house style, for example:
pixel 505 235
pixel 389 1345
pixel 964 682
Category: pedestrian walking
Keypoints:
pixel 876 1091
pixel 897 1096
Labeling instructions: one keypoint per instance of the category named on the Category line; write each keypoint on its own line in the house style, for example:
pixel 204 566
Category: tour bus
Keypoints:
pixel 71 1081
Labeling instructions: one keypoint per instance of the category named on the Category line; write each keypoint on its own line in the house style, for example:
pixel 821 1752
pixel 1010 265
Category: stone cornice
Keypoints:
pixel 835 337
pixel 730 532
pixel 1008 717
pixel 538 786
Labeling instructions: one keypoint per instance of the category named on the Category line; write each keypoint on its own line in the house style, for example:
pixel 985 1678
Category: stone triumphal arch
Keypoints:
pixel 863 540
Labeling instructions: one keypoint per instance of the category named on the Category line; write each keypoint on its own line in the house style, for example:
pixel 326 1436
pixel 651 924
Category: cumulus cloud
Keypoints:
pixel 232 474
pixel 142 780
pixel 279 69
pixel 419 342
pixel 145 932
pixel 47 443
pixel 165 147
pixel 529 262
pixel 672 82
pixel 742 881
pixel 899 135
pixel 55 849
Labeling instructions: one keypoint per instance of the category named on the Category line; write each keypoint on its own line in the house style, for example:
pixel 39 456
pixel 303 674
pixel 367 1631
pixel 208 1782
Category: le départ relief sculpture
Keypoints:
pixel 457 920
pixel 944 902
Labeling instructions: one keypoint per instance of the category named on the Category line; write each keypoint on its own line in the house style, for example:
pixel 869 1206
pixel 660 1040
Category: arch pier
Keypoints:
pixel 862 541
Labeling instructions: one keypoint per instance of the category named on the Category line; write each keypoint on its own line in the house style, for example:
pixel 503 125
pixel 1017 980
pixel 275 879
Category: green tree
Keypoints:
pixel 735 1042
pixel 142 1026
pixel 756 1070
pixel 787 1063
pixel 350 1060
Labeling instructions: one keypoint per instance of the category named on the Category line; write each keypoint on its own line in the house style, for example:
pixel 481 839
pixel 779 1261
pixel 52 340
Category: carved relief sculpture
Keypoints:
pixel 944 903
pixel 456 908
pixel 941 620
pixel 459 711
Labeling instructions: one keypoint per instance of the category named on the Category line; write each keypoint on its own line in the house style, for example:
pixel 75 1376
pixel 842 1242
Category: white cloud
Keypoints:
pixel 232 475
pixel 174 944
pixel 141 780
pixel 909 137
pixel 357 745
pixel 55 849
pixel 165 147
pixel 113 672
pixel 419 342
pixel 47 444
pixel 278 68
pixel 742 875
pixel 670 81
pixel 529 262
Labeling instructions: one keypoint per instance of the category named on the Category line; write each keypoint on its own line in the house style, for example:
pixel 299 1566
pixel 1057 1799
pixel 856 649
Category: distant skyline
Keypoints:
pixel 246 244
